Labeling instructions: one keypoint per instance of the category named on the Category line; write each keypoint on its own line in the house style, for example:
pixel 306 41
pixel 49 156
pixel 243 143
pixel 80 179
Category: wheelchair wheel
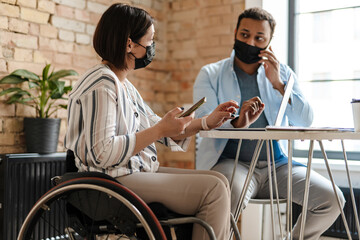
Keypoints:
pixel 90 208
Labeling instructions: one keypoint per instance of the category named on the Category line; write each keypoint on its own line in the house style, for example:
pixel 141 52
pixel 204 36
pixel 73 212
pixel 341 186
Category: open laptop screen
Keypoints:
pixel 284 101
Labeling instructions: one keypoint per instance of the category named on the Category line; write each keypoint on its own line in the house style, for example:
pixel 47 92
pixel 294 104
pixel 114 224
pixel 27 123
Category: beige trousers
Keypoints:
pixel 204 194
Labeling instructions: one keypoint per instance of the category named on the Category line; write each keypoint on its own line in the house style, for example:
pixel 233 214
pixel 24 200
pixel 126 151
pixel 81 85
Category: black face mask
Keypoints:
pixel 247 53
pixel 146 60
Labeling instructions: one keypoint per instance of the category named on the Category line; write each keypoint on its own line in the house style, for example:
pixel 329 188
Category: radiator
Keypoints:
pixel 24 178
pixel 337 229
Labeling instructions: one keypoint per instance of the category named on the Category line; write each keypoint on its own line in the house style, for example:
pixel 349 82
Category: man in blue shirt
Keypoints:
pixel 253 71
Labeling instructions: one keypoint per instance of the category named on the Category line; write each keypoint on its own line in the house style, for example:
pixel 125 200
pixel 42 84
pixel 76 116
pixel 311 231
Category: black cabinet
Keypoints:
pixel 24 178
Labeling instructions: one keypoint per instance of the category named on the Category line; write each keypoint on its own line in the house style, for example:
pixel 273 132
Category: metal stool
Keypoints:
pixel 267 202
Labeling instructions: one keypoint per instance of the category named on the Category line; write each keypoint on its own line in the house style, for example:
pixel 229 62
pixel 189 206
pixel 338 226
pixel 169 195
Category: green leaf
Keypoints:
pixel 46 72
pixel 67 89
pixel 17 97
pixel 56 95
pixel 60 85
pixel 33 84
pixel 52 85
pixel 60 74
pixel 11 79
pixel 58 90
pixel 10 90
pixel 64 106
pixel 25 74
pixel 25 100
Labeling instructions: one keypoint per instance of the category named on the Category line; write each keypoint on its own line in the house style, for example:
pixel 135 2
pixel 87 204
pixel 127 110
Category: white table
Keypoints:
pixel 290 134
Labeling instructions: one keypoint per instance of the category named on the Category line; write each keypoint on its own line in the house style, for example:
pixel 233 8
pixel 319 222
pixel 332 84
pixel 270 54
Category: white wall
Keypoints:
pixel 279 10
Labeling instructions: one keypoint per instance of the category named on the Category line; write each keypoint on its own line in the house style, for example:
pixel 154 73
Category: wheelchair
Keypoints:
pixel 93 205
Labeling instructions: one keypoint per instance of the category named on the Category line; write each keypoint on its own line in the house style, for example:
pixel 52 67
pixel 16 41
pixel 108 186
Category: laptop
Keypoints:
pixel 281 111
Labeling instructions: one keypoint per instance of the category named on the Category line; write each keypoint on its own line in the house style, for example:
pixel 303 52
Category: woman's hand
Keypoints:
pixel 222 113
pixel 170 125
pixel 249 112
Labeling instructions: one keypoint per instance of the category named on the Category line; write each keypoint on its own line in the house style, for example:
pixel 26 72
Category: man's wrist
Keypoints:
pixel 233 122
pixel 281 88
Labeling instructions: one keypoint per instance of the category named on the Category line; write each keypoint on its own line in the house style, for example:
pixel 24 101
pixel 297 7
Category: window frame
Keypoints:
pixel 292 46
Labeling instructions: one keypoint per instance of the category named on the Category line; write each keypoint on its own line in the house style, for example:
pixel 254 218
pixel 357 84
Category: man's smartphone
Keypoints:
pixel 193 107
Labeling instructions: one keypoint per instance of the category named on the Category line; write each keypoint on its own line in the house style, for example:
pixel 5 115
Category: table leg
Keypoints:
pixel 248 178
pixel 334 188
pixel 234 228
pixel 306 191
pixel 276 188
pixel 289 193
pixel 270 188
pixel 235 164
pixel 351 188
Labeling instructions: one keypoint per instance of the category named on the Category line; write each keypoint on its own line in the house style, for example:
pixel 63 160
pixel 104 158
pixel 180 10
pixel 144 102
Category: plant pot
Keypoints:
pixel 41 134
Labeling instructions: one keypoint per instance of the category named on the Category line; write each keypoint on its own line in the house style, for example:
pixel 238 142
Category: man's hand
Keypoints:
pixel 272 69
pixel 249 113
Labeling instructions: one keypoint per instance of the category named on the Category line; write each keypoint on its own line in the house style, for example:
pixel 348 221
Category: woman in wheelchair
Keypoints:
pixel 112 130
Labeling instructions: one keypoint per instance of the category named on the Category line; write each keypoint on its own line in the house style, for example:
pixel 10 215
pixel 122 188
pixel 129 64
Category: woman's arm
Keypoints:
pixel 168 126
pixel 222 113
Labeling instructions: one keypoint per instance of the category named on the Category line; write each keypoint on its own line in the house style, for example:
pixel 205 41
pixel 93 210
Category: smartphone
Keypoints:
pixel 193 107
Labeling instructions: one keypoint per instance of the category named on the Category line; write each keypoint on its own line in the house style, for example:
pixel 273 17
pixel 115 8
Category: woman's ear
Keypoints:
pixel 129 45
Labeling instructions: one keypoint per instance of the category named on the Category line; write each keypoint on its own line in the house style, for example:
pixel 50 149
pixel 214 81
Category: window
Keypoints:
pixel 324 52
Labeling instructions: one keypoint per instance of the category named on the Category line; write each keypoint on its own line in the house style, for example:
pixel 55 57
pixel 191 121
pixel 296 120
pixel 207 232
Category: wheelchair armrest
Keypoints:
pixel 72 175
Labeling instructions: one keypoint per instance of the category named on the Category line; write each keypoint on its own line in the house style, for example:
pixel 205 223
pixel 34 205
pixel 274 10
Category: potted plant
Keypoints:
pixel 41 93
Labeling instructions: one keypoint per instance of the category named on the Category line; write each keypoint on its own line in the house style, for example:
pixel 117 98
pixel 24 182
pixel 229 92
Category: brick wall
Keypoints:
pixel 197 33
pixel 189 34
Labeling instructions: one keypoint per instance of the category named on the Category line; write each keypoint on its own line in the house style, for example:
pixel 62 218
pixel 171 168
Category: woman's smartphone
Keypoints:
pixel 193 107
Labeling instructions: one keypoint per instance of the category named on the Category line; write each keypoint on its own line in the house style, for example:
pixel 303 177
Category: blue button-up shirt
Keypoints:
pixel 218 83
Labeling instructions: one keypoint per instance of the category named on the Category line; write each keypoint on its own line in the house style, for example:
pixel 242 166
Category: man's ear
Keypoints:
pixel 129 45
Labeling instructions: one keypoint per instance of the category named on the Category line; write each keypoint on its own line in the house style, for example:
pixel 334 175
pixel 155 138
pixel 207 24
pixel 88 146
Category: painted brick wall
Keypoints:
pixel 189 34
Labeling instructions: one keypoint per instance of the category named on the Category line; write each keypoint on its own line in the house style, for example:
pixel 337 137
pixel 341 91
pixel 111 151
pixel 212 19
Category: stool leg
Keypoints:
pixel 276 189
pixel 262 221
pixel 235 229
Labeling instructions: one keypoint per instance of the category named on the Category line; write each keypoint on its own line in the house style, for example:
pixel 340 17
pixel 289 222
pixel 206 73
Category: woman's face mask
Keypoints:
pixel 247 53
pixel 146 60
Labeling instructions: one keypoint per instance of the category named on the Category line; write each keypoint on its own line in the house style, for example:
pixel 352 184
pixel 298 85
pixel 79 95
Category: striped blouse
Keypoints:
pixel 103 117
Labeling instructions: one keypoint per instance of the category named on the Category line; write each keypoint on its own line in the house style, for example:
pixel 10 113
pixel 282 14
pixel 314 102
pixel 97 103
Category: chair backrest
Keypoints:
pixel 70 162
pixel 72 170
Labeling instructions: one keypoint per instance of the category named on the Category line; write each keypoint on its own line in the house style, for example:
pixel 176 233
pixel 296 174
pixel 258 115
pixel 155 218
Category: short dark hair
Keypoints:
pixel 118 23
pixel 258 14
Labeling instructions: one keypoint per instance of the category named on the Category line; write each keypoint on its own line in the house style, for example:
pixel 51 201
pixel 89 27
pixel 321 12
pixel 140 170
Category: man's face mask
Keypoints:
pixel 146 60
pixel 247 53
